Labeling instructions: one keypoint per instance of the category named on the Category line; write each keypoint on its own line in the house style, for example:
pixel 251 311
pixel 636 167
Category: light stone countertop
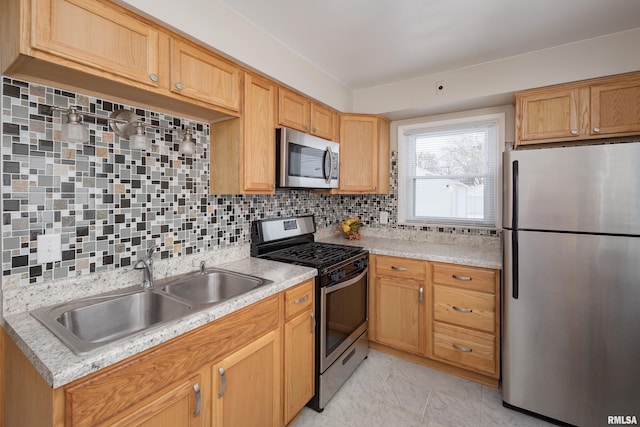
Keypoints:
pixel 482 253
pixel 58 365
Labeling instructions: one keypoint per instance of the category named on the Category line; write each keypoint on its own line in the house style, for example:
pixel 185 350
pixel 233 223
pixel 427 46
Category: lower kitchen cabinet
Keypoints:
pixel 180 382
pixel 299 349
pixel 442 315
pixel 400 314
pixel 246 385
pixel 399 307
pixel 179 405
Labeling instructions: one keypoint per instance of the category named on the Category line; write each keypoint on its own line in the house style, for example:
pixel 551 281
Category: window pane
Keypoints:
pixel 450 172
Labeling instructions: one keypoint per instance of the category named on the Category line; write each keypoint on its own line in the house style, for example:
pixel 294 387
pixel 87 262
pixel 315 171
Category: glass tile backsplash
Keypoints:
pixel 110 202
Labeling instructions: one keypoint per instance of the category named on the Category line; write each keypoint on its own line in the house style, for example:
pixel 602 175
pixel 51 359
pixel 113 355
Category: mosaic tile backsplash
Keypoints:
pixel 110 202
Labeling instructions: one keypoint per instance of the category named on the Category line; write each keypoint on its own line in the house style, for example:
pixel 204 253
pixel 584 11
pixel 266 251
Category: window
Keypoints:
pixel 449 171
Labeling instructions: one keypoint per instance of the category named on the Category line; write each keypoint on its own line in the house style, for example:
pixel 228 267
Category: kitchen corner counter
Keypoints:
pixel 487 256
pixel 58 365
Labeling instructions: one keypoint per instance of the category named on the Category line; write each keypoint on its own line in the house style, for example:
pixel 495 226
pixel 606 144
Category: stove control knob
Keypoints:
pixel 337 275
pixel 361 264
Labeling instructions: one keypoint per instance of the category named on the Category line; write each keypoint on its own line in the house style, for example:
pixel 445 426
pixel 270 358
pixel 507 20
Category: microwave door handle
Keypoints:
pixel 330 154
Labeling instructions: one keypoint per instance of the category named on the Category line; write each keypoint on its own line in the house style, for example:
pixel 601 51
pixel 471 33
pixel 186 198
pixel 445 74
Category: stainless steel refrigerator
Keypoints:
pixel 571 282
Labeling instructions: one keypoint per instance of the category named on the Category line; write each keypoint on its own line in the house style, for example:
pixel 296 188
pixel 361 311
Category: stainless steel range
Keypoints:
pixel 341 296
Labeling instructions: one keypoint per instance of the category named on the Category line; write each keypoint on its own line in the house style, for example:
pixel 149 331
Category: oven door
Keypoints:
pixel 343 317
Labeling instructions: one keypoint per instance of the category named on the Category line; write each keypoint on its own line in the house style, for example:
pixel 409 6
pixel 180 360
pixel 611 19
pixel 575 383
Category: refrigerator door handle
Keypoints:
pixel 514 235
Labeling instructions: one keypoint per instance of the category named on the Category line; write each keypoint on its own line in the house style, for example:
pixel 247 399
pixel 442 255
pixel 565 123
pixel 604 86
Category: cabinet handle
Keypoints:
pixel 574 131
pixel 179 86
pixel 393 267
pixel 223 382
pixel 313 323
pixel 462 349
pixel 153 77
pixel 463 278
pixel 196 389
pixel 596 130
pixel 462 310
pixel 301 300
pixel 421 295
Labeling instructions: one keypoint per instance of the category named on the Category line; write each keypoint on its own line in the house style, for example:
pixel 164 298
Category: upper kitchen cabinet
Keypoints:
pixel 298 112
pixel 125 47
pixel 243 150
pixel 591 109
pixel 102 48
pixel 364 154
pixel 198 74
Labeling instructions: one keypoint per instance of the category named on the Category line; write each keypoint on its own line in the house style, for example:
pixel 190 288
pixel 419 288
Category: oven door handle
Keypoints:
pixel 349 282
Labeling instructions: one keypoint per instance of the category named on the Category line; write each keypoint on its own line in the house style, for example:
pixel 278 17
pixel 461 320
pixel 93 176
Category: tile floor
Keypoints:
pixel 387 391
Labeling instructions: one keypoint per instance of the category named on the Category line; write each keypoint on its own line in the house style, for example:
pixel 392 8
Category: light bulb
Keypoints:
pixel 187 147
pixel 74 130
pixel 138 141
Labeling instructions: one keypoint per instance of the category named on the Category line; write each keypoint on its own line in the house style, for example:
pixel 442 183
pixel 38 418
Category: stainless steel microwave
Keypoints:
pixel 306 161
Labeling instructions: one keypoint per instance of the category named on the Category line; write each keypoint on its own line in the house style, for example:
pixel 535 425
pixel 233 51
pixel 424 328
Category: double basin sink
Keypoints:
pixel 86 324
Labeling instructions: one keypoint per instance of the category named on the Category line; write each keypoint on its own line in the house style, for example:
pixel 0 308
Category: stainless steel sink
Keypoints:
pixel 86 324
pixel 212 286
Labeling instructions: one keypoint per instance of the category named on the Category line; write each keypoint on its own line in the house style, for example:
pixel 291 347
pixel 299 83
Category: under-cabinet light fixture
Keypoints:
pixel 124 123
pixel 73 130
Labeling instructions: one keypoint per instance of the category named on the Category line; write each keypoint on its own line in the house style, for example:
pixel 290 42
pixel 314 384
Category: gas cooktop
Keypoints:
pixel 315 254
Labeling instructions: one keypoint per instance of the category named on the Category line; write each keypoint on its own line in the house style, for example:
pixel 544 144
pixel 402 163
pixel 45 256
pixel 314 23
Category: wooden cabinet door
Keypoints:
pixel 358 154
pixel 552 114
pixel 259 157
pixel 93 34
pixel 400 314
pixel 293 110
pixel 615 107
pixel 323 122
pixel 298 363
pixel 180 405
pixel 246 385
pixel 199 75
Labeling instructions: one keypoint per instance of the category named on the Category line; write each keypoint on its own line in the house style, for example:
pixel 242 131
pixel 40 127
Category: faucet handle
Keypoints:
pixel 151 250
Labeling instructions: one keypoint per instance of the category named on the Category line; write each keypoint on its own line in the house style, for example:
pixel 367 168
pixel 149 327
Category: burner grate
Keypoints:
pixel 315 254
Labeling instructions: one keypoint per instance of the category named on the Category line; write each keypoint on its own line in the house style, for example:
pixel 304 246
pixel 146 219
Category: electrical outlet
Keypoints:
pixel 440 87
pixel 49 248
pixel 384 217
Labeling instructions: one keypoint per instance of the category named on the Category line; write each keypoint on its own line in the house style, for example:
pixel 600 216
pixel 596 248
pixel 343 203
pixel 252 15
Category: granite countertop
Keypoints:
pixel 58 365
pixel 488 255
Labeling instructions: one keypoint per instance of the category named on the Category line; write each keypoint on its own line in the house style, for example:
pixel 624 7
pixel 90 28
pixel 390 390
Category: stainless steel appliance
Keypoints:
pixel 306 161
pixel 341 296
pixel 571 277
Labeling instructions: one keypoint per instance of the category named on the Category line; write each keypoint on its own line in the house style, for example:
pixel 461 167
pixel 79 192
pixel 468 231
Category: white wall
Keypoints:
pixel 493 83
pixel 214 24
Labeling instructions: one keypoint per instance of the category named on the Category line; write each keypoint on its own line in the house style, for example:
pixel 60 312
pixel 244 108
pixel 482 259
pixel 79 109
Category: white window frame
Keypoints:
pixel 466 120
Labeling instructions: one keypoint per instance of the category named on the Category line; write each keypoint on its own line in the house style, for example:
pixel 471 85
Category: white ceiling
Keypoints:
pixel 366 43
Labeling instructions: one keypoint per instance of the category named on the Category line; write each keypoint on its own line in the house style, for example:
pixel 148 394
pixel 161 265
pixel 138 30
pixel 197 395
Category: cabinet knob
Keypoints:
pixel 179 86
pixel 306 128
pixel 273 186
pixel 153 77
pixel 314 130
pixel 574 131
pixel 596 130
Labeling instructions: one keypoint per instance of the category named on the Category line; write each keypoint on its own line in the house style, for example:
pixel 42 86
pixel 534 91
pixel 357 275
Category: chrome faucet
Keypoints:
pixel 146 265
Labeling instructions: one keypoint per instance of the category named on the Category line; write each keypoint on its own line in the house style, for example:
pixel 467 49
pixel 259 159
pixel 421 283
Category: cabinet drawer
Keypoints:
pixel 400 267
pixel 465 347
pixel 298 299
pixel 479 279
pixel 470 309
